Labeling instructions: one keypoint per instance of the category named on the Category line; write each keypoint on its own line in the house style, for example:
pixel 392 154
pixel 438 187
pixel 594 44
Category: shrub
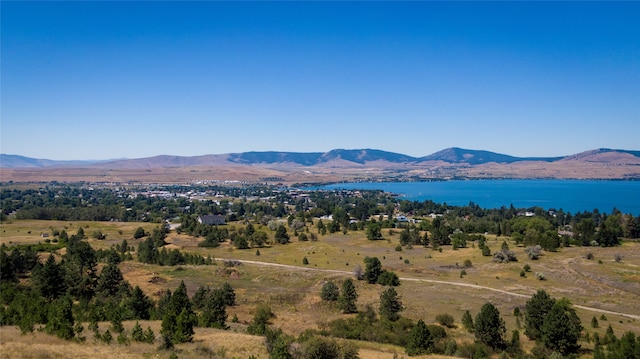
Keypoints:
pixel 527 268
pixel 504 256
pixel 540 276
pixel 398 248
pixel 617 257
pixel 589 256
pixel 467 263
pixel 389 278
pixel 523 274
pixel 445 320
pixel 305 261
pixel 533 252
pixel 330 291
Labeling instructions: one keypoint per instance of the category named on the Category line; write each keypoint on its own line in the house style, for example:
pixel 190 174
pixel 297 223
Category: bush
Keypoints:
pixel 540 276
pixel 398 248
pixel 445 320
pixel 533 252
pixel 305 261
pixel 527 268
pixel 505 256
pixel 467 263
pixel 389 278
pixel 330 291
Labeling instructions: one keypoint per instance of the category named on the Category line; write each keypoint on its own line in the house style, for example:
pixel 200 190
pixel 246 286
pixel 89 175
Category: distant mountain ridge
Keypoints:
pixel 454 155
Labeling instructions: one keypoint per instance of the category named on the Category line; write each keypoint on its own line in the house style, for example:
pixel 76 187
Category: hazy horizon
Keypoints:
pixel 114 80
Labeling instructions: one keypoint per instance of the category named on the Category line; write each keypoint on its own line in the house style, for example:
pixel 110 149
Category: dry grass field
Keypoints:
pixel 431 285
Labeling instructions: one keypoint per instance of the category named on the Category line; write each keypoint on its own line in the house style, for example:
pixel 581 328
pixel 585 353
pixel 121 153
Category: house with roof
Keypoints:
pixel 212 219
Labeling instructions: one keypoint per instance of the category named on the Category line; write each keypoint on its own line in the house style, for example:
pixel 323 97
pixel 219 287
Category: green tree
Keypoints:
pixel 49 279
pixel 139 304
pixel 348 297
pixel 60 322
pixel 228 294
pixel 139 233
pixel 281 234
pixel 373 269
pixel 420 340
pixel 214 312
pixel 467 321
pixel 536 309
pixel 490 327
pixel 179 319
pixel 388 278
pixel 390 305
pixel 330 291
pixel 109 281
pixel 260 320
pixel 374 231
pixel 561 328
pixel 321 348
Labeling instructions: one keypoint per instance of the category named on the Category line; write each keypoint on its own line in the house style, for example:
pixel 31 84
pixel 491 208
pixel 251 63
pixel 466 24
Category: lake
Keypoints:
pixel 570 195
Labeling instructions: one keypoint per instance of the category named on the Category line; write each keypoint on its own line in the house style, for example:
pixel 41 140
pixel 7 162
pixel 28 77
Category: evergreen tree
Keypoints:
pixel 390 305
pixel 139 304
pixel 61 321
pixel 490 327
pixel 109 281
pixel 49 279
pixel 467 321
pixel 420 340
pixel 561 328
pixel 214 313
pixel 536 309
pixel 179 319
pixel 281 235
pixel 348 297
pixel 200 297
pixel 260 320
pixel 330 291
pixel 228 294
pixel 373 269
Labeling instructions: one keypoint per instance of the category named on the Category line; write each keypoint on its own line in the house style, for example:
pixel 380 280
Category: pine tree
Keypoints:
pixel 139 304
pixel 214 313
pixel 390 305
pixel 372 270
pixel 109 281
pixel 561 328
pixel 179 319
pixel 490 327
pixel 467 321
pixel 348 297
pixel 420 340
pixel 536 309
pixel 49 279
pixel 61 321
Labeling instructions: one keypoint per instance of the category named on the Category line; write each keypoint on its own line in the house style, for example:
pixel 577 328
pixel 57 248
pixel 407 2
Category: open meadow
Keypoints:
pixel 432 283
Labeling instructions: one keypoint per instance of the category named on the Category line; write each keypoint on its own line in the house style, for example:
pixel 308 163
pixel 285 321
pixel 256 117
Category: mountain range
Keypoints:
pixel 333 166
pixel 356 157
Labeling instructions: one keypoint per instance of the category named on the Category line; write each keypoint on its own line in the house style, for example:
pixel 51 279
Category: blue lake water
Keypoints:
pixel 570 195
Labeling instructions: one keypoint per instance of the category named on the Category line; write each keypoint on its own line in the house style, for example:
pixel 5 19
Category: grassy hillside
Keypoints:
pixel 431 284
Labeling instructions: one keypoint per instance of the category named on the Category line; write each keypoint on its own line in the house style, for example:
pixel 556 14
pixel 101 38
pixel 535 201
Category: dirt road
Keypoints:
pixel 267 264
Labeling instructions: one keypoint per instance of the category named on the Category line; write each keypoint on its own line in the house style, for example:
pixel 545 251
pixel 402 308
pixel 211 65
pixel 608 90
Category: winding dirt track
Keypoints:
pixel 267 264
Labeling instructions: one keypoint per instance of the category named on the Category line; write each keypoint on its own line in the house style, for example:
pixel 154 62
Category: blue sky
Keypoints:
pixel 101 80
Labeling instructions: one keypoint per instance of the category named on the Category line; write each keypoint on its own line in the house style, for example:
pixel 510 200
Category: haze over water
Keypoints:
pixel 569 195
